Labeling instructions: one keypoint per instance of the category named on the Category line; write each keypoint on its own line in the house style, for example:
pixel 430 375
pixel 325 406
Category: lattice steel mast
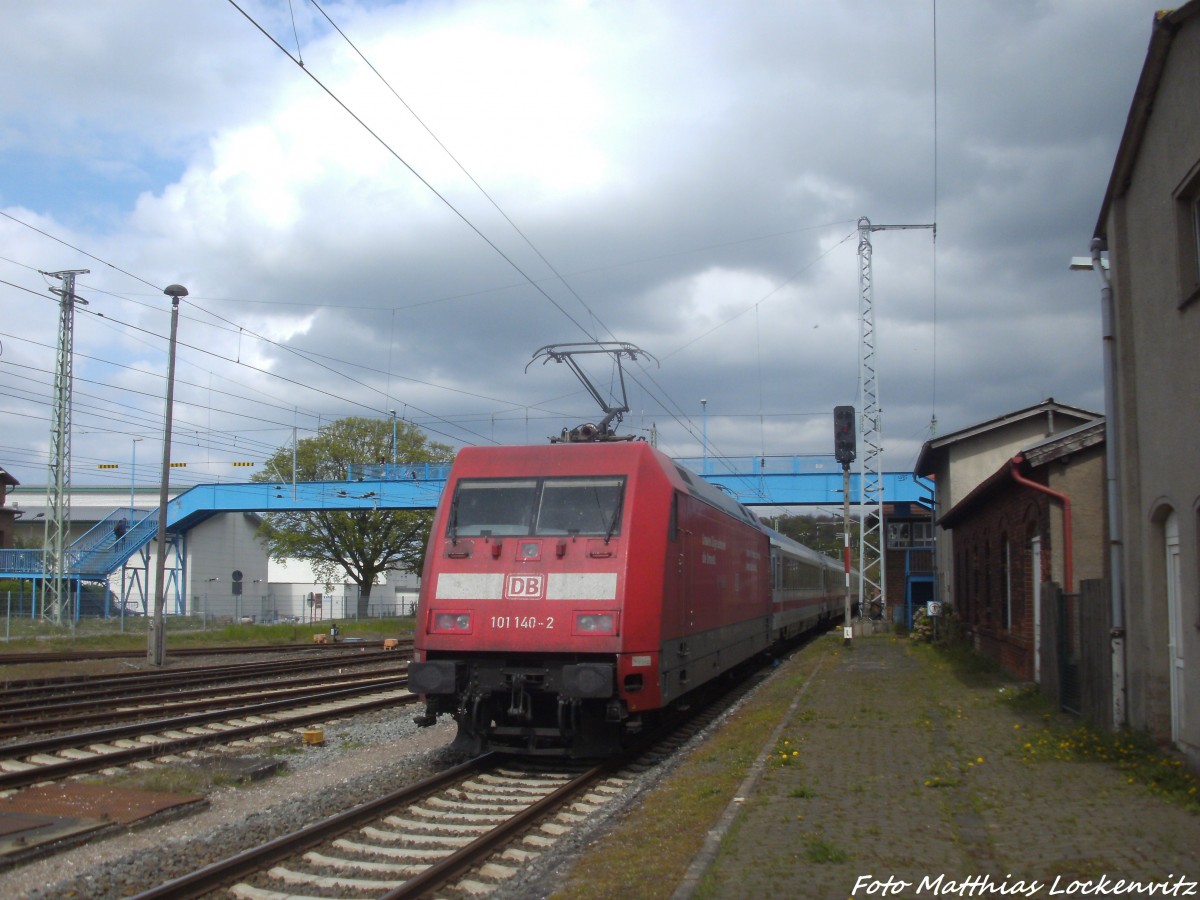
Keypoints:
pixel 58 484
pixel 871 567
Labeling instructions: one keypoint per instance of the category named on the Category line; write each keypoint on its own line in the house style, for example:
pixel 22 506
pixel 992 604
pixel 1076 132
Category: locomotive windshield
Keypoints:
pixel 543 506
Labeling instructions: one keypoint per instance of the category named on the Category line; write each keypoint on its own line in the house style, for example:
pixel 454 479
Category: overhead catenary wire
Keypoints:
pixel 665 405
pixel 649 392
pixel 396 155
pixel 934 339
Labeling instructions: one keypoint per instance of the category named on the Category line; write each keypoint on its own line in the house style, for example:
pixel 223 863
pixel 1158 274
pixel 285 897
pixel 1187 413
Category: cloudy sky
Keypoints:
pixel 445 187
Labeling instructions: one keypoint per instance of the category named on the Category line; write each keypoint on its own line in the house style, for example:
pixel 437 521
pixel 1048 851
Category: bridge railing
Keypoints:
pixel 100 550
pixel 21 562
pixel 96 552
pixel 814 464
pixel 418 471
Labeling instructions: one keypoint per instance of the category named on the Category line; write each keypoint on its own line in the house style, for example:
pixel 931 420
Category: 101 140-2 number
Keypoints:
pixel 522 622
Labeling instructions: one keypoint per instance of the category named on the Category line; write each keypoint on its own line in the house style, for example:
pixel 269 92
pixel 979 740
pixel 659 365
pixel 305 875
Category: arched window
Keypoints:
pixel 1175 622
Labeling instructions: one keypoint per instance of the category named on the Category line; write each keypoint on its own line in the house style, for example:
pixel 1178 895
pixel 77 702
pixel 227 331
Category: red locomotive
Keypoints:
pixel 573 590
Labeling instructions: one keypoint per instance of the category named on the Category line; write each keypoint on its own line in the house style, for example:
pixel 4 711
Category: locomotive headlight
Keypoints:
pixel 451 622
pixel 595 623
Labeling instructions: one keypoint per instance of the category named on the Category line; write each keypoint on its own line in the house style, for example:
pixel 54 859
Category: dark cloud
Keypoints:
pixel 685 178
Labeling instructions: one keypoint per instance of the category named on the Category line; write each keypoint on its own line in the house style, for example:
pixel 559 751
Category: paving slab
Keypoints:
pixel 893 776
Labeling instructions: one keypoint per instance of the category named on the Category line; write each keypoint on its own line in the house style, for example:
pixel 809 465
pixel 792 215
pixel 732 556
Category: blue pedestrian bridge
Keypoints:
pixel 754 481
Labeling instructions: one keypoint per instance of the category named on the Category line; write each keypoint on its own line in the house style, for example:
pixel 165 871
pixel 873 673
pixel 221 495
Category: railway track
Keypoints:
pixel 79 702
pixel 462 832
pixel 465 832
pixel 376 849
pixel 59 757
pixel 13 659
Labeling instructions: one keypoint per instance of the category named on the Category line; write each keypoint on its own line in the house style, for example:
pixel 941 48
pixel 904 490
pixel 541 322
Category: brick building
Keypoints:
pixel 958 462
pixel 908 555
pixel 1038 518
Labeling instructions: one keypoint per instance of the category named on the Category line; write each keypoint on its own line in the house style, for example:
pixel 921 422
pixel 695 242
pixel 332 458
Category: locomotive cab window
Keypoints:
pixel 580 506
pixel 547 506
pixel 499 506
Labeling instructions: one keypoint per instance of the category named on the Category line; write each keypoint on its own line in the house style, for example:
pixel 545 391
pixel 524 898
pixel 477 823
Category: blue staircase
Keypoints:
pixel 95 554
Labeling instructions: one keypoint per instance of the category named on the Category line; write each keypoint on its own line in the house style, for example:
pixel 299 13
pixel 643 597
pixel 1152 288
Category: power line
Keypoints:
pixel 392 151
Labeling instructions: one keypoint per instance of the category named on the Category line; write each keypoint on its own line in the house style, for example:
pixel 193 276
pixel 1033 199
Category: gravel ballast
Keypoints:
pixel 361 758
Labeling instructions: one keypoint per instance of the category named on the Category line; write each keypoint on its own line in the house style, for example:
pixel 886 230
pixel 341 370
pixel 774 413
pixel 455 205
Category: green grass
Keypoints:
pixel 675 817
pixel 183 631
pixel 190 781
pixel 821 851
pixel 1134 753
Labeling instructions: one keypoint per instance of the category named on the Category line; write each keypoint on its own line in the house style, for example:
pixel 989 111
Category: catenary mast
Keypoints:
pixel 58 484
pixel 871 568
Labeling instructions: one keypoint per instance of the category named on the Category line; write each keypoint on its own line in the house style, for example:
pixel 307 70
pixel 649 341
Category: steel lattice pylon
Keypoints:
pixel 871 559
pixel 58 484
pixel 870 455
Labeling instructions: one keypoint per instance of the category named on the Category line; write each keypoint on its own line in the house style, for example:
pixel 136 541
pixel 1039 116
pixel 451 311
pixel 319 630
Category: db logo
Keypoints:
pixel 524 587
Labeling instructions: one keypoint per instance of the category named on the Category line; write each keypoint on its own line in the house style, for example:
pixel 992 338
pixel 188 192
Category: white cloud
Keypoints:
pixel 695 173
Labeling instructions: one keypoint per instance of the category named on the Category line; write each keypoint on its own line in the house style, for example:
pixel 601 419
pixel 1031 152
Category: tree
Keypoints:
pixel 821 533
pixel 363 543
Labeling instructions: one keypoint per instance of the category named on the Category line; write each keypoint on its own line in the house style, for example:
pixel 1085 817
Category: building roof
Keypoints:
pixel 1055 447
pixel 80 513
pixel 1166 24
pixel 933 447
pixel 1064 443
pixel 5 478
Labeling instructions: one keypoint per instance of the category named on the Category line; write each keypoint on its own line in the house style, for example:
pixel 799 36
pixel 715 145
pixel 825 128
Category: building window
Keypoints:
pixel 1006 581
pixel 986 573
pixel 1187 223
pixel 898 535
pixel 905 535
pixel 922 534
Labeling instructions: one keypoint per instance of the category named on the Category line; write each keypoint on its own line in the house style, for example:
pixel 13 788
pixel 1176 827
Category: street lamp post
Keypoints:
pixel 156 643
pixel 132 475
pixel 704 416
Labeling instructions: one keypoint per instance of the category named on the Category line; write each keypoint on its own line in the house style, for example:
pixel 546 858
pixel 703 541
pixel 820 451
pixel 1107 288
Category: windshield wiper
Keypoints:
pixel 616 518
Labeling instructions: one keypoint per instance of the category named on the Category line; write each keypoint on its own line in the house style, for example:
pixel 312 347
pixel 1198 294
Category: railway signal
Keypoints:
pixel 844 452
pixel 844 449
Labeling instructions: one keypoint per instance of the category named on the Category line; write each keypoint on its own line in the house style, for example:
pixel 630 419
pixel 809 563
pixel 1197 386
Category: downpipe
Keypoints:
pixel 1112 486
